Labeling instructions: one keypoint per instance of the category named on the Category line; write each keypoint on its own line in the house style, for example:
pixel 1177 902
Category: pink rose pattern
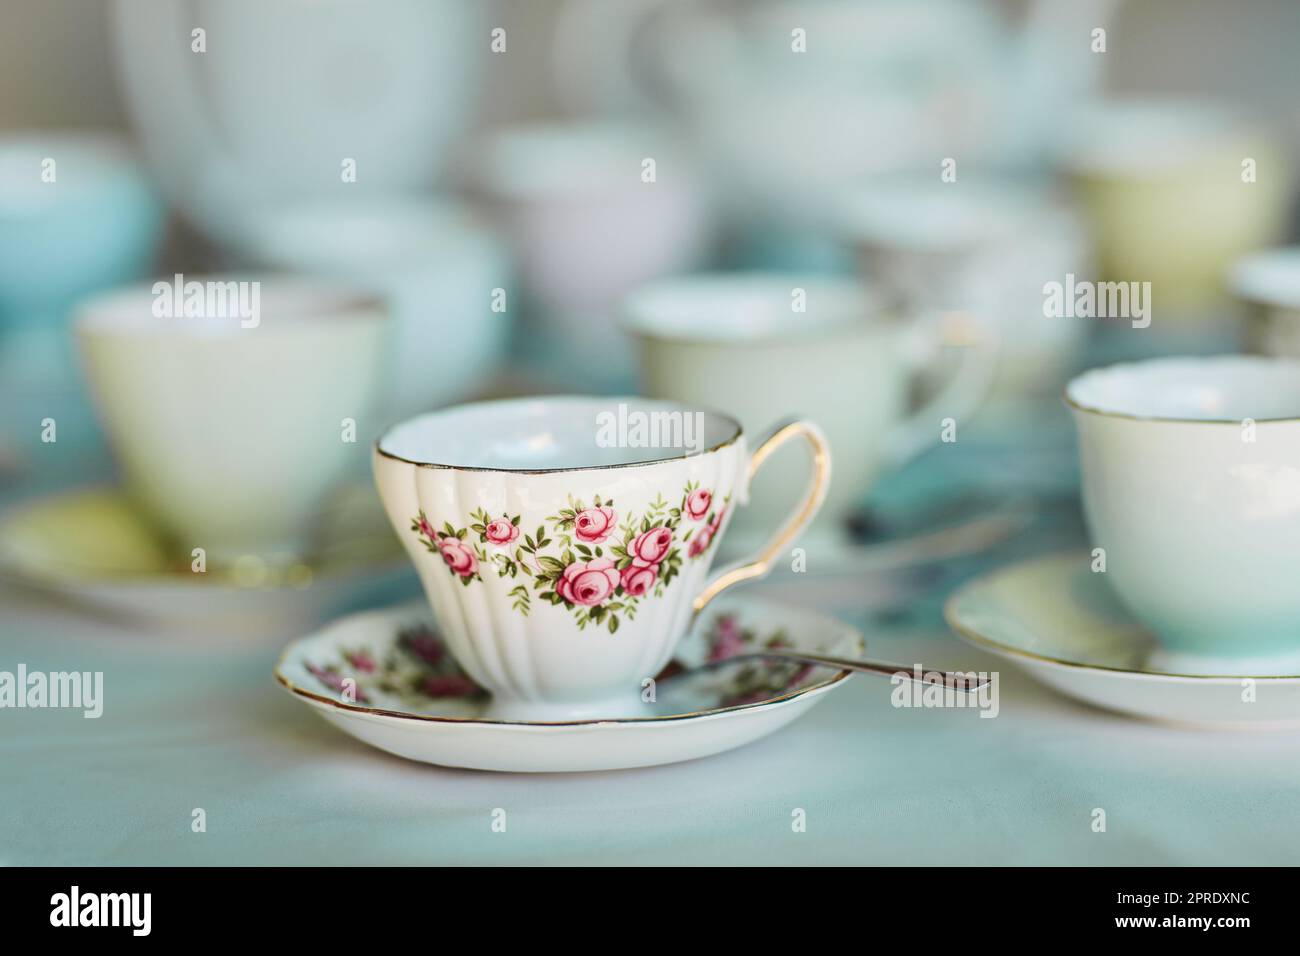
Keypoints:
pixel 459 556
pixel 651 546
pixel 639 577
pixel 412 669
pixel 415 671
pixel 589 582
pixel 594 525
pixel 700 543
pixel 593 560
pixel 500 532
pixel 347 687
pixel 753 681
pixel 697 504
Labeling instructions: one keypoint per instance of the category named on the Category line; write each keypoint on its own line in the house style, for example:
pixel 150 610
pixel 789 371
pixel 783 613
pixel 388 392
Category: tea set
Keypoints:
pixel 575 620
pixel 575 616
pixel 563 578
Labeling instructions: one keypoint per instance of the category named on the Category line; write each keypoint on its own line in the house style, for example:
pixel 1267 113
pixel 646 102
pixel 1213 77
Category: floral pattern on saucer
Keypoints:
pixel 706 711
pixel 593 559
pixel 757 680
pixel 414 672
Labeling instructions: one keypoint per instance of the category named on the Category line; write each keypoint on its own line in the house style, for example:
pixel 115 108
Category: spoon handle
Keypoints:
pixel 919 675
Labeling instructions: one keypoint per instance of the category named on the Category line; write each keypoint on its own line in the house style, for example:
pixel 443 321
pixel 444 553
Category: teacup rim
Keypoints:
pixel 496 179
pixel 737 432
pixel 351 301
pixel 883 312
pixel 1187 118
pixel 870 213
pixel 1079 406
pixel 427 225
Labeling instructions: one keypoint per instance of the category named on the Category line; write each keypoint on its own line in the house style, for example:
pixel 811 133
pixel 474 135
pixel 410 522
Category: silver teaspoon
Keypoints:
pixel 967 682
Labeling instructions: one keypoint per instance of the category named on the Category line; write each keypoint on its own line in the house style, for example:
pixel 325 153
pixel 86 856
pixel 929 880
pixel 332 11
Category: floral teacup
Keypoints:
pixel 565 543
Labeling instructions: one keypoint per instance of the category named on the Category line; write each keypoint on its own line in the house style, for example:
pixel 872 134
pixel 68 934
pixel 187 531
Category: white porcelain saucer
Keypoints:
pixel 1062 624
pixel 90 548
pixel 409 698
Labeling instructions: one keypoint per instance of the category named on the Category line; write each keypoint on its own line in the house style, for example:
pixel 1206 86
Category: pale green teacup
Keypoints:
pixel 760 344
pixel 234 411
pixel 1174 191
pixel 1191 486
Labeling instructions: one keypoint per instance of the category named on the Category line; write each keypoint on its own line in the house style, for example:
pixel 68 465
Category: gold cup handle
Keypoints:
pixel 820 451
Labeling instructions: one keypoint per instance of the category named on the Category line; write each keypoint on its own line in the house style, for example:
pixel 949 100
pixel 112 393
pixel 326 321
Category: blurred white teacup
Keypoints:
pixel 757 344
pixel 1267 283
pixel 981 246
pixel 441 272
pixel 234 407
pixel 1191 485
pixel 77 214
pixel 382 89
pixel 591 210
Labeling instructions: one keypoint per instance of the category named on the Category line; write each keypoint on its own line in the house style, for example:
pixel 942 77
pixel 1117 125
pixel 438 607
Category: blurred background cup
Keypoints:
pixel 443 272
pixel 283 96
pixel 1173 191
pixel 230 435
pixel 1267 286
pixel 77 214
pixel 760 344
pixel 977 246
pixel 591 210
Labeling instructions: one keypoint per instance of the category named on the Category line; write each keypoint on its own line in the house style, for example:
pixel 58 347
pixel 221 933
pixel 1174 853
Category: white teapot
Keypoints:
pixel 790 100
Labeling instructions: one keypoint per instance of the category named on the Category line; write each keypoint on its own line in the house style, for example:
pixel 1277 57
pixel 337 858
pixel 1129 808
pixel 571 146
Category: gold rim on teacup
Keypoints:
pixel 867 306
pixel 735 429
pixel 1079 406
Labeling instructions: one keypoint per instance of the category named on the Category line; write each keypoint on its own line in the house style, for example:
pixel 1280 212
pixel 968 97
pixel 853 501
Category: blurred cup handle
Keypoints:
pixel 961 396
pixel 594 48
pixel 601 57
pixel 758 567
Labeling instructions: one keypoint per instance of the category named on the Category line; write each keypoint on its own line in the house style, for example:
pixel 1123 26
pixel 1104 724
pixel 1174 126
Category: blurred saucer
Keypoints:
pixel 385 678
pixel 896 539
pixel 1061 623
pixel 91 547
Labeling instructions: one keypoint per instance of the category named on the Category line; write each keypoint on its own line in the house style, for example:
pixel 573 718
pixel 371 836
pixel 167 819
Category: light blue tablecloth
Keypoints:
pixel 188 727
pixel 188 724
